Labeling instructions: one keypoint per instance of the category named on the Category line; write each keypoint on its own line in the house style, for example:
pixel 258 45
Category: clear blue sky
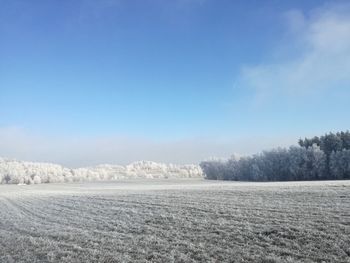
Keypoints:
pixel 161 72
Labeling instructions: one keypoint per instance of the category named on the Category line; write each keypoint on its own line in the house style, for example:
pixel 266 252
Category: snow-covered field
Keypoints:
pixel 182 220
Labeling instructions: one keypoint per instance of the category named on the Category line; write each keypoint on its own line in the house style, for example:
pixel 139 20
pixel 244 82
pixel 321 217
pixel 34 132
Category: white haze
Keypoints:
pixel 82 151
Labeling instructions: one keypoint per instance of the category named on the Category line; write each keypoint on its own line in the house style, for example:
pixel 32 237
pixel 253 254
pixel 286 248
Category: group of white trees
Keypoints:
pixel 19 172
pixel 319 158
pixel 295 163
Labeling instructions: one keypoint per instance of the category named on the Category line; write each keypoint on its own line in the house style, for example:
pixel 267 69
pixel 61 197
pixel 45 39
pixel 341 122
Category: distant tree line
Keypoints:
pixel 19 172
pixel 318 158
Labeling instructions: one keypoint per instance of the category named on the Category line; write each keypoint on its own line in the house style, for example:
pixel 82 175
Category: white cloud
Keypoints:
pixel 315 58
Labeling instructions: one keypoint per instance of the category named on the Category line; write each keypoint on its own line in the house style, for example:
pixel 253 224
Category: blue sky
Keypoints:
pixel 84 82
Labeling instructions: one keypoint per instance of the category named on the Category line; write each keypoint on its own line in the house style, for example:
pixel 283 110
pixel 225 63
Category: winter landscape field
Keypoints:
pixel 176 220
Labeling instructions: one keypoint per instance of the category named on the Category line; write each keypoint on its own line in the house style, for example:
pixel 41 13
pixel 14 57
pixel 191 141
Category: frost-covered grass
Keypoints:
pixel 188 220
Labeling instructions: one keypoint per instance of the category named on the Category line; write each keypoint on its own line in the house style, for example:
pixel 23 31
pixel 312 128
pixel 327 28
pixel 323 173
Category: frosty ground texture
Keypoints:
pixel 188 220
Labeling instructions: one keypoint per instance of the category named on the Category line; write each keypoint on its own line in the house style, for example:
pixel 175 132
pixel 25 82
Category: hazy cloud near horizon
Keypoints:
pixel 86 151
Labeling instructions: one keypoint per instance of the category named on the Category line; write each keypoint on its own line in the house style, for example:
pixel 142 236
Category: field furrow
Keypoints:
pixel 181 221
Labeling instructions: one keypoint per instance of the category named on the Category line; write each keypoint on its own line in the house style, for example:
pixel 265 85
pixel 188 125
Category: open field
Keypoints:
pixel 189 220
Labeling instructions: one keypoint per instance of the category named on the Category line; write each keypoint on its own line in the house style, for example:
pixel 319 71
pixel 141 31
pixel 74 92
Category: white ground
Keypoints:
pixel 184 220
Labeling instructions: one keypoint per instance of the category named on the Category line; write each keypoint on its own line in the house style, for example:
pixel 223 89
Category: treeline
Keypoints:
pixel 318 158
pixel 19 172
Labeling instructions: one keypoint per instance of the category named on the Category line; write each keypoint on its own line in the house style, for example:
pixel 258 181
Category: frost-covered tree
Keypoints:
pixel 17 172
pixel 345 138
pixel 295 163
pixel 329 142
pixel 213 170
pixel 315 164
pixel 340 164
